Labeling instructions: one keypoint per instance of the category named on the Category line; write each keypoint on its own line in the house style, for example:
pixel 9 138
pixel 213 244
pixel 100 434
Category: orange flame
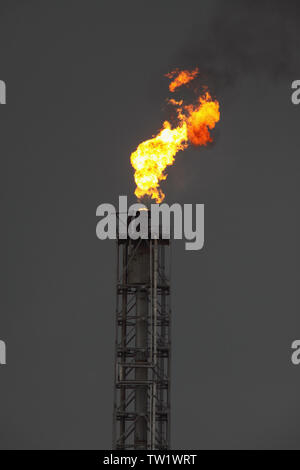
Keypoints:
pixel 200 118
pixel 152 157
pixel 181 78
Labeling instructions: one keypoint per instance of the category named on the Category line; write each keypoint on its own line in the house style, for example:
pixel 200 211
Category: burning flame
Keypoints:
pixel 181 78
pixel 152 157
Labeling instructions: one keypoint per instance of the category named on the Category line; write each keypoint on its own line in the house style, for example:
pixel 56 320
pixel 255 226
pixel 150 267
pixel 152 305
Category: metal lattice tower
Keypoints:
pixel 141 417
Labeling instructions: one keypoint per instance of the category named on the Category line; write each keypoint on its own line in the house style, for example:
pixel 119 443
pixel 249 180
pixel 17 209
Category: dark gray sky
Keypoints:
pixel 85 86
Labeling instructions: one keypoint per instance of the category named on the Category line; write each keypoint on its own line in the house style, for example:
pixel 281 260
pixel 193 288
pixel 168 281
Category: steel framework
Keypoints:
pixel 141 417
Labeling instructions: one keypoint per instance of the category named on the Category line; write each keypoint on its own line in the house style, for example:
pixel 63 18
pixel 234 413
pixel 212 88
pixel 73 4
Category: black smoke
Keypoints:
pixel 245 38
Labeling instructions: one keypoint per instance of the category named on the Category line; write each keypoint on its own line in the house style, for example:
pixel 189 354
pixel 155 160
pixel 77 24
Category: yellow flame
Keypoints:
pixel 152 157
